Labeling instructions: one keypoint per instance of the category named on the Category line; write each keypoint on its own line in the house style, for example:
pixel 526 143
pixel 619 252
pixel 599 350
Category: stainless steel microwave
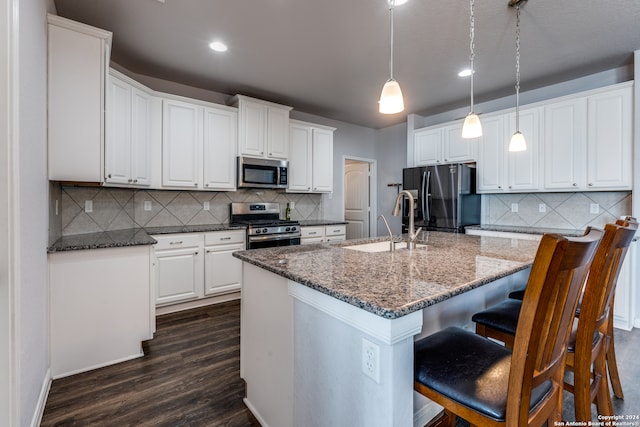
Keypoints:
pixel 262 173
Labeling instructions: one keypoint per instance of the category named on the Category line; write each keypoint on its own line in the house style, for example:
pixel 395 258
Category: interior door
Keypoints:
pixel 356 199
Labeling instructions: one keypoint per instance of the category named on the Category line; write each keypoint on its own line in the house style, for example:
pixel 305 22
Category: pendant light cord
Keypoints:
pixel 391 5
pixel 472 35
pixel 518 68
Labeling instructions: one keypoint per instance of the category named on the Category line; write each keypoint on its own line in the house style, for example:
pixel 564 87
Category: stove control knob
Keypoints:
pixel 293 228
pixel 258 231
pixel 288 229
pixel 264 230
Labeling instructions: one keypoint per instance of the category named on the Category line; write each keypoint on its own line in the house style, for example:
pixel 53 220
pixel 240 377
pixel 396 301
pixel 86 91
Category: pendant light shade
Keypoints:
pixel 391 99
pixel 472 128
pixel 517 142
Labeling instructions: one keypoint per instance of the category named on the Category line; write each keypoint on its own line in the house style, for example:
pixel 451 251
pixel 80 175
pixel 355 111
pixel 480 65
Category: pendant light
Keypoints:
pixel 517 142
pixel 472 128
pixel 391 100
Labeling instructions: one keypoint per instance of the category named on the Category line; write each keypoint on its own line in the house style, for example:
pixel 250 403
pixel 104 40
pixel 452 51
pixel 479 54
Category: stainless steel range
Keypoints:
pixel 265 229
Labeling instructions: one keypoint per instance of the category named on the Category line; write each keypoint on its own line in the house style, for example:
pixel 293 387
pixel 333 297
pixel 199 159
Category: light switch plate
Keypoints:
pixel 147 205
pixel 206 206
pixel 542 207
pixel 594 208
pixel 88 206
pixel 514 207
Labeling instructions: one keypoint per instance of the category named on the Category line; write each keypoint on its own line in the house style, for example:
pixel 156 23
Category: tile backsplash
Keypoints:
pixel 561 210
pixel 117 208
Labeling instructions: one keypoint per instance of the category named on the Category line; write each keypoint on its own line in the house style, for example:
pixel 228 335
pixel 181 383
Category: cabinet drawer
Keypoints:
pixel 312 232
pixel 224 237
pixel 177 241
pixel 335 230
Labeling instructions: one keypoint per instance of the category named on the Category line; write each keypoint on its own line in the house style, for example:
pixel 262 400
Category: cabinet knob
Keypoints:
pixel 510 187
pixel 135 180
pixel 499 187
pixel 206 185
pixel 308 188
pixel 590 184
pixel 262 152
pixel 196 253
pixel 575 185
pixel 195 184
pixel 109 176
pixel 271 154
pixel 129 181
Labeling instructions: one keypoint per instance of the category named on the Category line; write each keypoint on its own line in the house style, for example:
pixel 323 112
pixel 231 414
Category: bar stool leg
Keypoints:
pixel 612 364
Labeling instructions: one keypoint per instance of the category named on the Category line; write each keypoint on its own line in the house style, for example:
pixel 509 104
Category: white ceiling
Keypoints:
pixel 331 57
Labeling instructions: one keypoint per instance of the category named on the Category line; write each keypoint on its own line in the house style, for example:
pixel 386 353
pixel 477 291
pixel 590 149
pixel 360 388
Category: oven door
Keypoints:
pixel 257 242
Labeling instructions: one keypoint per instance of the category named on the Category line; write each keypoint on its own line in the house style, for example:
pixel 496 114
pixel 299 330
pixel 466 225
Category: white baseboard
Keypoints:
pixel 42 399
pixel 100 365
pixel 173 308
pixel 255 413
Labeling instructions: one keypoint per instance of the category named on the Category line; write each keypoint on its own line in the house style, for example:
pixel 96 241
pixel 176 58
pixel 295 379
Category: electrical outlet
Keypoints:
pixel 594 208
pixel 542 208
pixel 147 205
pixel 371 360
pixel 206 206
pixel 88 206
pixel 514 207
pixel 292 205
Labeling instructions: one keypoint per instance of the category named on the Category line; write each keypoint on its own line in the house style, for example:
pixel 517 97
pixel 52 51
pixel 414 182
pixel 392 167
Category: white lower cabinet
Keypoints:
pixel 180 273
pixel 191 266
pixel 323 233
pixel 101 308
pixel 223 272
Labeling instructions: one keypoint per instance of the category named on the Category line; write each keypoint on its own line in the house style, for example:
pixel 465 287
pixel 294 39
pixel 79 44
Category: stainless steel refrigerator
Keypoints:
pixel 445 197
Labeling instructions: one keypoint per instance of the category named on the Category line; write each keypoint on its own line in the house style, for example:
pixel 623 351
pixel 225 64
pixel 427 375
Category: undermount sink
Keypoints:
pixel 380 246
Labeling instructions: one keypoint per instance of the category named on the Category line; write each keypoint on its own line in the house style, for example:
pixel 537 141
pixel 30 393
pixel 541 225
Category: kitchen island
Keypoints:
pixel 327 329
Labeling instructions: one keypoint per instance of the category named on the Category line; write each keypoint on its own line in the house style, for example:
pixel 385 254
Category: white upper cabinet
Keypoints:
pixel 310 158
pixel 198 146
pixel 128 133
pixel 263 128
pixel 181 144
pixel 444 144
pixel 565 153
pixel 428 146
pixel 457 149
pixel 610 139
pixel 522 167
pixel 78 59
pixel 220 141
pixel 491 155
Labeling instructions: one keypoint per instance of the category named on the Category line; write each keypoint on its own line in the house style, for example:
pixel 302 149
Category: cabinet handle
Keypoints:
pixel 225 238
pixel 312 233
pixel 336 231
pixel 176 243
pixel 129 180
pixel 135 180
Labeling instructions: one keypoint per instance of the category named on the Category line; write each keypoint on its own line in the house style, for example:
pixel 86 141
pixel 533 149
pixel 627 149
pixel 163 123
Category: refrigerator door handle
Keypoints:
pixel 426 177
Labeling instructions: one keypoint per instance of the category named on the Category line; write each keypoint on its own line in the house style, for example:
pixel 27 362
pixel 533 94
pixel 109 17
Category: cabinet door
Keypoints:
pixel 458 149
pixel 77 69
pixel 565 157
pixel 609 140
pixel 181 144
pixel 277 133
pixel 300 158
pixel 140 154
pixel 180 275
pixel 522 166
pixel 252 128
pixel 220 141
pixel 491 154
pixel 118 133
pixel 322 160
pixel 428 147
pixel 223 272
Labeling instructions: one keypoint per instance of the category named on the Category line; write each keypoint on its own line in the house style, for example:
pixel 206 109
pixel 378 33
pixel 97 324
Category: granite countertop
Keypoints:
pixel 129 237
pixel 392 285
pixel 526 230
pixel 106 239
pixel 318 222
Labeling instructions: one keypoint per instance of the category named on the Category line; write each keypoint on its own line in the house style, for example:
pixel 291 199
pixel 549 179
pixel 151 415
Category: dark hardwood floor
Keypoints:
pixel 189 376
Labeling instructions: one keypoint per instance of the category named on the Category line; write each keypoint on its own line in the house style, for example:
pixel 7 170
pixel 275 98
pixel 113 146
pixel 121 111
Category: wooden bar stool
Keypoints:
pixel 490 385
pixel 589 341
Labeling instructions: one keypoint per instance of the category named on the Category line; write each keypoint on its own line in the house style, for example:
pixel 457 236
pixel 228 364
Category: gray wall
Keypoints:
pixel 391 152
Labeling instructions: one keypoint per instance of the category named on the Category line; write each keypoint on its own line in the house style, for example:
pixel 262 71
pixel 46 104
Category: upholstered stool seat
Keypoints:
pixel 517 294
pixel 469 369
pixel 501 317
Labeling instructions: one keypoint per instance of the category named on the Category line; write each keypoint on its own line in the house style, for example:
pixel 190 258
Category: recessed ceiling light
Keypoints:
pixel 218 46
pixel 464 73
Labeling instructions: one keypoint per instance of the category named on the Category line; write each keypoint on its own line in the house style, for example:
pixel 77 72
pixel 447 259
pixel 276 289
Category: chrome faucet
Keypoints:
pixel 392 245
pixel 413 234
